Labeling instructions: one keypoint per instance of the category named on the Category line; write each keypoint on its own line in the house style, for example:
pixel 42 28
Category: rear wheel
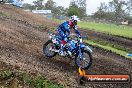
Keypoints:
pixel 46 49
pixel 86 62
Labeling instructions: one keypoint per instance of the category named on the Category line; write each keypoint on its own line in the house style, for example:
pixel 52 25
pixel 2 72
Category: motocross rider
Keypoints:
pixel 64 32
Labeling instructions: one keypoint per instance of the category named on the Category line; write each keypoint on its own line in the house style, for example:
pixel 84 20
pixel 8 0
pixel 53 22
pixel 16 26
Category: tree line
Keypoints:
pixel 77 7
pixel 115 10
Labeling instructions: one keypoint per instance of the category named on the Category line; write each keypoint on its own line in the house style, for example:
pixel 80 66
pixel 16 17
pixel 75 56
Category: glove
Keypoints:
pixel 77 35
pixel 65 39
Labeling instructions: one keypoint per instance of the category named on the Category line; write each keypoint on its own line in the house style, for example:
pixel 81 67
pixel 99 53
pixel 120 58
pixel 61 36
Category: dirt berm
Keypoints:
pixel 22 37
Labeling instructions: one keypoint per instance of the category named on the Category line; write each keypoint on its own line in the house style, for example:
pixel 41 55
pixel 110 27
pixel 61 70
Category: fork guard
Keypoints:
pixel 88 48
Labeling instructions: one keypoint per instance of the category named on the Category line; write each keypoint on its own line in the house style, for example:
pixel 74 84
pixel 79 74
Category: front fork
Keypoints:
pixel 81 54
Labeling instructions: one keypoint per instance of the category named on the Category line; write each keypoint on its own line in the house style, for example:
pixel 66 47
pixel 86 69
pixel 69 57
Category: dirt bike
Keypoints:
pixel 82 54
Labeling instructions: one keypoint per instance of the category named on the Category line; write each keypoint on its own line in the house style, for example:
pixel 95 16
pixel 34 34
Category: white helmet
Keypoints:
pixel 74 19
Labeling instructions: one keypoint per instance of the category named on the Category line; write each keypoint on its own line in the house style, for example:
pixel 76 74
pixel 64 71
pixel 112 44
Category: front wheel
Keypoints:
pixel 86 62
pixel 46 49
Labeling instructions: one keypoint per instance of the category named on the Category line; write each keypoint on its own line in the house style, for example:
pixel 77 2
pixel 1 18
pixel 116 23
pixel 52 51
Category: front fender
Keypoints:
pixel 87 48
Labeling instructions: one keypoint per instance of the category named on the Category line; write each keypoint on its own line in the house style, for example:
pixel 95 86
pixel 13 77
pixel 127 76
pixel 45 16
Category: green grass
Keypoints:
pixel 120 52
pixel 5 14
pixel 105 43
pixel 5 74
pixel 38 81
pixel 120 30
pixel 33 81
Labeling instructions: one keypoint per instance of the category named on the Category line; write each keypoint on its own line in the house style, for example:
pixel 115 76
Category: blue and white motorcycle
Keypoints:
pixel 81 53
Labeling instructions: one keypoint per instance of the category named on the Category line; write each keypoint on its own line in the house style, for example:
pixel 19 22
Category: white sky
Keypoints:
pixel 91 4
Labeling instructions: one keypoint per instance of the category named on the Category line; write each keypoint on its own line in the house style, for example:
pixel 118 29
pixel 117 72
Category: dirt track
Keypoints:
pixel 117 41
pixel 21 46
